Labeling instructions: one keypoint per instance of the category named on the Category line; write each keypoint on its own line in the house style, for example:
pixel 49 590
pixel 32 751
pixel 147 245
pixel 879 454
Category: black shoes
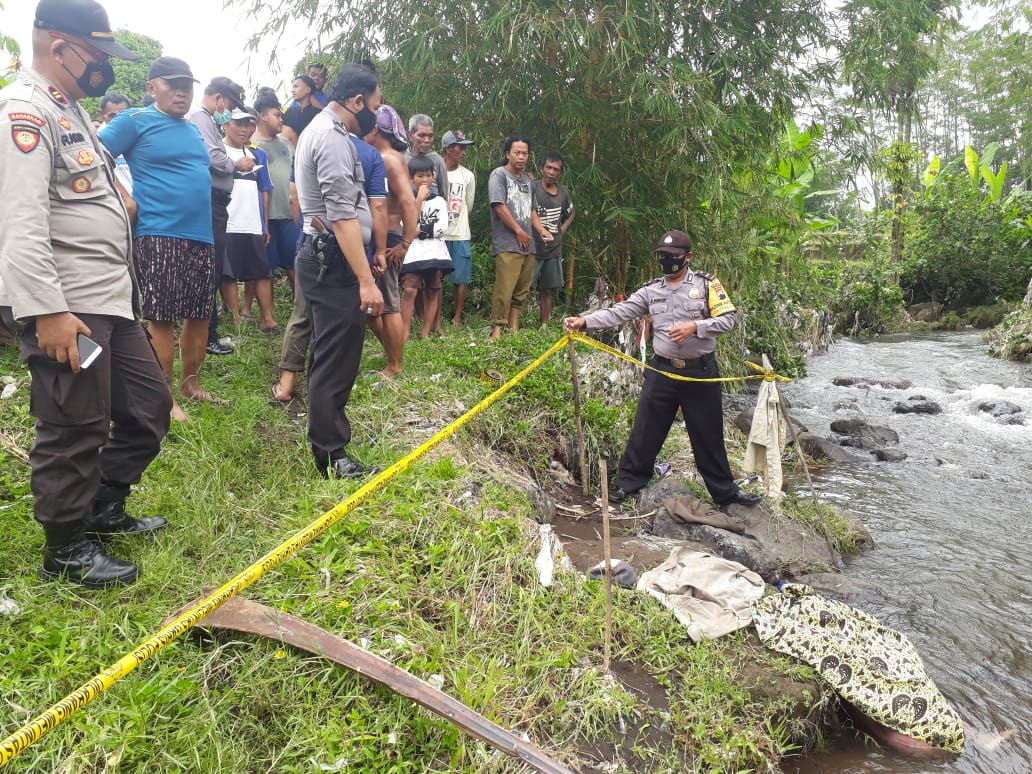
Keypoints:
pixel 743 498
pixel 343 467
pixel 617 495
pixel 84 561
pixel 217 348
pixel 110 519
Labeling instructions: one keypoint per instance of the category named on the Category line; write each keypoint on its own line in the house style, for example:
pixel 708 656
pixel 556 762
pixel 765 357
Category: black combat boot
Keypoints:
pixel 69 554
pixel 110 519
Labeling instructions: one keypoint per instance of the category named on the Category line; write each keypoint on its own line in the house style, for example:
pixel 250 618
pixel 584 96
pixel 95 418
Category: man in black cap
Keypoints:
pixel 221 97
pixel 66 274
pixel 689 309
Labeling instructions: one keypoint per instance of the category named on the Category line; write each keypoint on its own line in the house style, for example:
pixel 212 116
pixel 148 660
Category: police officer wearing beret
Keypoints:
pixel 66 272
pixel 689 309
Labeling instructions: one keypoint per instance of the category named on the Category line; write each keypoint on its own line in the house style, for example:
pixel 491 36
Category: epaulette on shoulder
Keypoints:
pixel 653 282
pixel 705 275
pixel 20 89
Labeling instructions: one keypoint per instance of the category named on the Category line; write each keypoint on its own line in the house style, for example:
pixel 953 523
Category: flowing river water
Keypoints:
pixel 953 548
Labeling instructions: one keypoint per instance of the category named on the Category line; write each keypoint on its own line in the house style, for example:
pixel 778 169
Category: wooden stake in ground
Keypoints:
pixel 608 558
pixel 809 479
pixel 577 414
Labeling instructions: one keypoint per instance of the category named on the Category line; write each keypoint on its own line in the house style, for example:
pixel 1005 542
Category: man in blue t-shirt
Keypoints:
pixel 172 243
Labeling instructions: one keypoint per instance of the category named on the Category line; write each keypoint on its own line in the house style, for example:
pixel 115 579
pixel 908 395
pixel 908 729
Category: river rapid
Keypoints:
pixel 953 548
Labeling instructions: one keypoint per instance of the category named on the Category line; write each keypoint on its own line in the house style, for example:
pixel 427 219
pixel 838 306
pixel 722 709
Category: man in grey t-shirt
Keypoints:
pixel 513 221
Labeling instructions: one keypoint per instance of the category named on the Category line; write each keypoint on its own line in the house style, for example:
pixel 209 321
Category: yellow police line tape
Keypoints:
pixel 31 732
pixel 34 730
pixel 767 376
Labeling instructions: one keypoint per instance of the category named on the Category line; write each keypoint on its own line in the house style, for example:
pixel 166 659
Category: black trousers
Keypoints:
pixel 701 403
pixel 105 422
pixel 219 223
pixel 338 332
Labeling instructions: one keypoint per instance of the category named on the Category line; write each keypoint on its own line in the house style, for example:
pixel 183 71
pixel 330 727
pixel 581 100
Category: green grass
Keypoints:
pixel 435 573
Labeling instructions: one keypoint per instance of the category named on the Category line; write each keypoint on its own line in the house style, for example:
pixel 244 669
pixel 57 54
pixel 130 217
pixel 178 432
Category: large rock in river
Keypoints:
pixel 863 435
pixel 744 420
pixel 1008 413
pixel 865 383
pixel 916 404
pixel 822 449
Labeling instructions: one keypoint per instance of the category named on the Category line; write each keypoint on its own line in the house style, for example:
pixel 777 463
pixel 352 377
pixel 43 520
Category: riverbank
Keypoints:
pixel 950 526
pixel 435 573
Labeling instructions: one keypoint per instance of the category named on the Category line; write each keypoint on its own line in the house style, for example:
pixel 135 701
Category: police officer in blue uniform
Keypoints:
pixel 689 309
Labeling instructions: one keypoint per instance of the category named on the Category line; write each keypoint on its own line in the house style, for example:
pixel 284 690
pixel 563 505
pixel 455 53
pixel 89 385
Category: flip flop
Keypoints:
pixel 273 329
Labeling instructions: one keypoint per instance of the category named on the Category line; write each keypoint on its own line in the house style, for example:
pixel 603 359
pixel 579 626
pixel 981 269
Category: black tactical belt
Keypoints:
pixel 696 362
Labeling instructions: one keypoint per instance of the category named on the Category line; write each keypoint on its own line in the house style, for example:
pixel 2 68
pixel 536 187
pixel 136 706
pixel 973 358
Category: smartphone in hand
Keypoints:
pixel 89 350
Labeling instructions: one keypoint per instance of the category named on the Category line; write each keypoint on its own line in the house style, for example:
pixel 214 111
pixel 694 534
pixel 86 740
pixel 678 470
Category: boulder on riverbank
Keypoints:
pixel 771 545
pixel 930 311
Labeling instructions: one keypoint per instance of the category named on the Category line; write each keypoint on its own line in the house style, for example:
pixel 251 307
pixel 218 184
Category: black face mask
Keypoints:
pixel 671 264
pixel 366 119
pixel 96 79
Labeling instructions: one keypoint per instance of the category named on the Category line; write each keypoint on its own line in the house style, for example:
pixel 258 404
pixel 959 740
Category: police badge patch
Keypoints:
pixel 81 185
pixel 85 157
pixel 25 136
pixel 25 130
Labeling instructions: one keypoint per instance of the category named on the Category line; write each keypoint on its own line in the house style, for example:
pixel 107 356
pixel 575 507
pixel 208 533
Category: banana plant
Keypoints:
pixel 979 168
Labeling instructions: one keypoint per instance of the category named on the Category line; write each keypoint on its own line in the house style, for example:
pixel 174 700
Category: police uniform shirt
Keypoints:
pixel 329 176
pixel 700 298
pixel 64 234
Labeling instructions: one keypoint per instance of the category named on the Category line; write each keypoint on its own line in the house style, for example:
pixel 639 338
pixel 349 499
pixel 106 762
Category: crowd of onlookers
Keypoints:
pixel 155 211
pixel 223 176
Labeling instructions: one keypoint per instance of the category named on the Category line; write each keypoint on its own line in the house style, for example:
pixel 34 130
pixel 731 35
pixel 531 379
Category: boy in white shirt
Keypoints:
pixel 427 259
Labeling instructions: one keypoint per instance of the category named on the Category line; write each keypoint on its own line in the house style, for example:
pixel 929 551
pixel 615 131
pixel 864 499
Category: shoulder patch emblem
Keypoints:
pixel 81 185
pixel 718 301
pixel 64 122
pixel 30 118
pixel 85 157
pixel 57 96
pixel 26 137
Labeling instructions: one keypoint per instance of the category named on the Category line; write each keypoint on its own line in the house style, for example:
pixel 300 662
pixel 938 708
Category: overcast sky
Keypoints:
pixel 212 40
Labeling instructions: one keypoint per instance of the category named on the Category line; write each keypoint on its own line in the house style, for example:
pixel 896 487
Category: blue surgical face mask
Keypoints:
pixel 222 117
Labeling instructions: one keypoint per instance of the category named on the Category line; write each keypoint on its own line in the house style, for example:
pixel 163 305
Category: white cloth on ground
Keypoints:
pixel 710 595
